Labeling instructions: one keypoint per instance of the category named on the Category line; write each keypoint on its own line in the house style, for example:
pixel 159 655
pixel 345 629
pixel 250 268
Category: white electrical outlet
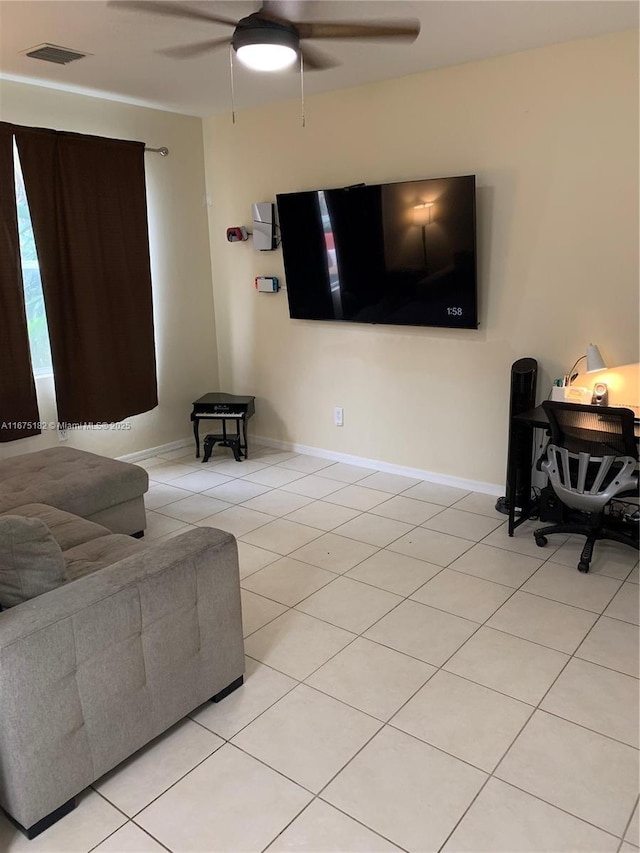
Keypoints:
pixel 338 416
pixel 62 434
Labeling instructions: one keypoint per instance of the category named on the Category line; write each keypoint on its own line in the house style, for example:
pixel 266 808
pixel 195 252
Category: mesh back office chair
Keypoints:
pixel 592 457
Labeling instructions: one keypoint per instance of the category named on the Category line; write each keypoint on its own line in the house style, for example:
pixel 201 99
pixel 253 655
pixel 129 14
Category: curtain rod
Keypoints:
pixel 163 152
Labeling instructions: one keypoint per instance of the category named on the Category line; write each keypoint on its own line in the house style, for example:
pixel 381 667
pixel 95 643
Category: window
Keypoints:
pixel 33 296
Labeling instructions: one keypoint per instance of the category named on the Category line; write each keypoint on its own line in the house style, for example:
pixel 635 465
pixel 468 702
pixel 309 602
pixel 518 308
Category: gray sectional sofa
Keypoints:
pixel 130 638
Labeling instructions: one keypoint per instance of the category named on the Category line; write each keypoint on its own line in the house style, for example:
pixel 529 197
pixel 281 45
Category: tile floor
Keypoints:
pixel 416 680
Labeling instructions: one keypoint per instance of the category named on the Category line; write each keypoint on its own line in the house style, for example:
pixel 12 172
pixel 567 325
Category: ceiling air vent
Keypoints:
pixel 53 53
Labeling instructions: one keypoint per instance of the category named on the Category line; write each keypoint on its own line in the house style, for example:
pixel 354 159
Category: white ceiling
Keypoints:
pixel 123 63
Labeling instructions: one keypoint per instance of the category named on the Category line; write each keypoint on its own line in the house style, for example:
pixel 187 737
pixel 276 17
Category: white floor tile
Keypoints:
pixel 523 542
pixel 496 564
pixel 405 790
pixel 273 476
pixel 609 558
pixel 543 621
pixel 468 525
pixel 464 595
pixel 323 515
pixel 506 820
pixel 374 529
pixel 297 644
pixel 288 581
pixel 313 486
pixel 566 584
pixel 236 491
pixel 129 839
pixel 257 611
pixel 357 497
pixel 422 632
pixel 464 719
pixel 322 829
pixel 614 644
pixel 625 605
pixel 161 494
pixel 334 553
pixel 159 525
pixel 93 820
pixel 438 548
pixel 508 664
pixel 371 677
pixel 198 481
pixel 305 464
pixel 231 468
pixel 392 483
pixel 634 576
pixel 228 804
pixel 349 604
pixel 406 509
pixel 152 770
pixel 588 775
pixel 345 473
pixel 281 536
pixel 597 698
pixel 166 472
pixel 252 558
pixel 277 502
pixel 237 520
pixel 193 508
pixel 436 493
pixel 262 687
pixel 308 736
pixel 632 835
pixel 482 504
pixel 394 572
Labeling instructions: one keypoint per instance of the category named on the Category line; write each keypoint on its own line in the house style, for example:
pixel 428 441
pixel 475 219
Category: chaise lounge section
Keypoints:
pixel 94 487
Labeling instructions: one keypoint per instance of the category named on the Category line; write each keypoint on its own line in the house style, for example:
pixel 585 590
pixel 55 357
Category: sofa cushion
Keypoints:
pixel 31 560
pixel 68 529
pixel 99 553
pixel 72 480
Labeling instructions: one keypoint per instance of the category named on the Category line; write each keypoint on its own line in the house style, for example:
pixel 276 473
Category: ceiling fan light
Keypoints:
pixel 267 57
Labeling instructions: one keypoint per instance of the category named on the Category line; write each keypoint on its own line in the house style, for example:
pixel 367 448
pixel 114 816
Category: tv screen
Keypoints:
pixel 401 253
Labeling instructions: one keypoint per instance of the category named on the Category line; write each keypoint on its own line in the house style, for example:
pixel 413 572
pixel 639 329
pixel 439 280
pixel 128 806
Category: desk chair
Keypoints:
pixel 592 457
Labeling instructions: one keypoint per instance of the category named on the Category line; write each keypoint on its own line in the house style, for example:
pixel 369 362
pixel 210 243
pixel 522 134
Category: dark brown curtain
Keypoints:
pixel 88 209
pixel 18 404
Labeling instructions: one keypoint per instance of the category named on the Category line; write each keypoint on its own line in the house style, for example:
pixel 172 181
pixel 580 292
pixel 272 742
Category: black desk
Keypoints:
pixel 528 421
pixel 223 407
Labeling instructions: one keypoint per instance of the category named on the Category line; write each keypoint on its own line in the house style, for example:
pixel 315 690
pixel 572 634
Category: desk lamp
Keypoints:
pixel 595 362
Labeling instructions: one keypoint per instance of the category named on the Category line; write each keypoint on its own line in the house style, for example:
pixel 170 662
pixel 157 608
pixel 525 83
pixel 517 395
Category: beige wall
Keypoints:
pixel 552 135
pixel 181 272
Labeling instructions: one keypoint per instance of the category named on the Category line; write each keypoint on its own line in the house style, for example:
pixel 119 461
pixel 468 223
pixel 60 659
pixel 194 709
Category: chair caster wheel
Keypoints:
pixel 583 567
pixel 541 541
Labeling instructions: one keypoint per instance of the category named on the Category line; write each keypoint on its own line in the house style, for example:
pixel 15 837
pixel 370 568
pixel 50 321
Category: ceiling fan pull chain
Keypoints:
pixel 233 103
pixel 302 87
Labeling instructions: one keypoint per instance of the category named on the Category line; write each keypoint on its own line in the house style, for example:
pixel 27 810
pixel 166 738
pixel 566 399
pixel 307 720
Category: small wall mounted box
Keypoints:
pixel 267 284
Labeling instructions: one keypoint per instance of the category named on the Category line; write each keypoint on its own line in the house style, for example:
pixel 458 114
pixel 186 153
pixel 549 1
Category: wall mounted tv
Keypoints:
pixel 401 253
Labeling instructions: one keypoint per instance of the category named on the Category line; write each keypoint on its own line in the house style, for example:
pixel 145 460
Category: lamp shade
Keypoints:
pixel 594 360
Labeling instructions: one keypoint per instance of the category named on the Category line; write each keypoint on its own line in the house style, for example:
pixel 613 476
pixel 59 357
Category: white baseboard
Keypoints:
pixel 387 467
pixel 154 451
pixel 375 464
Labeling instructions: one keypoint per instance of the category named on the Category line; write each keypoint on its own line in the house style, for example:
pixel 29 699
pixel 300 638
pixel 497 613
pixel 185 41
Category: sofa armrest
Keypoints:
pixel 93 670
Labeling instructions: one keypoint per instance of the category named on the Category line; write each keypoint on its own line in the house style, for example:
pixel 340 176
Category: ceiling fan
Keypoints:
pixel 267 41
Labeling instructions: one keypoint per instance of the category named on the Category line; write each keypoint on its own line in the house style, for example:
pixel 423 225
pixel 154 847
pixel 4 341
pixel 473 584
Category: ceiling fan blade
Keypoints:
pixel 316 60
pixel 404 30
pixel 175 10
pixel 187 51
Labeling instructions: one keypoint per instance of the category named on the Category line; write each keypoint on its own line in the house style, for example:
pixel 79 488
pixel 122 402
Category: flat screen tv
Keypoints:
pixel 401 253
